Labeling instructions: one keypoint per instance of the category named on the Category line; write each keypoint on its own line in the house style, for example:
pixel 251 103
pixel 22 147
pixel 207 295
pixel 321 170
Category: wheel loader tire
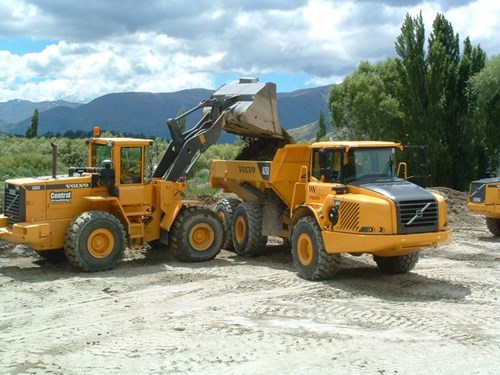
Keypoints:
pixel 397 264
pixel 196 235
pixel 95 241
pixel 225 209
pixel 308 252
pixel 247 230
pixel 52 256
pixel 493 226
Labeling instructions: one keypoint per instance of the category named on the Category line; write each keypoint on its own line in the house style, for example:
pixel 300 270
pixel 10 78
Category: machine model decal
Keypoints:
pixel 265 170
pixel 63 196
pixel 35 187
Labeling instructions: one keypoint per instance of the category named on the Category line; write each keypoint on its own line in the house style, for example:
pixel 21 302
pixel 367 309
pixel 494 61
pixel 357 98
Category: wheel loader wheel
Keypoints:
pixel 397 264
pixel 308 252
pixel 95 241
pixel 247 230
pixel 225 210
pixel 493 226
pixel 196 235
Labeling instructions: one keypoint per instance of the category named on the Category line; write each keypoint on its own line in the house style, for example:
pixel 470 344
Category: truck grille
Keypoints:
pixel 477 191
pixel 349 217
pixel 14 204
pixel 418 216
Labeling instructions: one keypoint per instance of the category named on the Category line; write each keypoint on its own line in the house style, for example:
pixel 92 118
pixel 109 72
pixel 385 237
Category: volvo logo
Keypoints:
pixel 418 214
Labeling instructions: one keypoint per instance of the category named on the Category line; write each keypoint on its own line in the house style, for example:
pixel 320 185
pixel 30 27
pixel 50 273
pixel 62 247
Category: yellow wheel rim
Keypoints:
pixel 305 249
pixel 201 236
pixel 222 218
pixel 240 229
pixel 101 242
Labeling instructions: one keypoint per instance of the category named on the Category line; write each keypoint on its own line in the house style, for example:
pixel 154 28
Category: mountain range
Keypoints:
pixel 146 113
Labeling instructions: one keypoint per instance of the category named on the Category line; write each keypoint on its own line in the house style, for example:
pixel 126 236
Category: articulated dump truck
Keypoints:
pixel 90 215
pixel 484 199
pixel 329 198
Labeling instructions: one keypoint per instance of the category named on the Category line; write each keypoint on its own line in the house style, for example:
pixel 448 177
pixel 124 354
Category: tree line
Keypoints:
pixel 433 94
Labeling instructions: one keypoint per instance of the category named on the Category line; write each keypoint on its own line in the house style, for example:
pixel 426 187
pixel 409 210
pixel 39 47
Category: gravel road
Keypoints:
pixel 234 315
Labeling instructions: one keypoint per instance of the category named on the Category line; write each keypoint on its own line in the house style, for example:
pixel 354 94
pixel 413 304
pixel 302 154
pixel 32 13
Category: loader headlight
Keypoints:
pixel 333 215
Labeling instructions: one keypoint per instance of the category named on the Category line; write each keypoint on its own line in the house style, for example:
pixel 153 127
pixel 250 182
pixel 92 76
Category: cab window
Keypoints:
pixel 326 164
pixel 131 165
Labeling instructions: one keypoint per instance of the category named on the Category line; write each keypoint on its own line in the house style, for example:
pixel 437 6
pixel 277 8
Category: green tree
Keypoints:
pixel 484 96
pixel 32 130
pixel 434 98
pixel 366 105
pixel 321 133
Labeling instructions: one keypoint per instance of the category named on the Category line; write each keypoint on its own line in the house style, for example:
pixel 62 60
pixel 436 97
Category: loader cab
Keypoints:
pixel 129 158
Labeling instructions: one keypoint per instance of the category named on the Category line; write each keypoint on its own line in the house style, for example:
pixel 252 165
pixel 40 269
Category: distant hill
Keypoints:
pixel 17 110
pixel 146 113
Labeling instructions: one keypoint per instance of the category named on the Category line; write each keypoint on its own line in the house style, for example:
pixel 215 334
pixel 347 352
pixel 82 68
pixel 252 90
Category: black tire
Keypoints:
pixel 493 226
pixel 246 230
pixel 397 264
pixel 225 210
pixel 308 252
pixel 95 241
pixel 52 256
pixel 196 235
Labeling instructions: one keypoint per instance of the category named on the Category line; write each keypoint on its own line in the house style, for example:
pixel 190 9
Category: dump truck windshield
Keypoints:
pixel 369 163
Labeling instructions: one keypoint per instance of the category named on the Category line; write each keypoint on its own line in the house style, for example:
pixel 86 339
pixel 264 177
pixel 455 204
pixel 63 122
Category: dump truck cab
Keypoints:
pixel 328 198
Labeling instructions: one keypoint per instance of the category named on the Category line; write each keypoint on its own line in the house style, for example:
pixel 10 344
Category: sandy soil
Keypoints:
pixel 233 315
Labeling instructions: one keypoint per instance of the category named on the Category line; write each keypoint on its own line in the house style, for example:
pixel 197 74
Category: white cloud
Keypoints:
pixel 166 46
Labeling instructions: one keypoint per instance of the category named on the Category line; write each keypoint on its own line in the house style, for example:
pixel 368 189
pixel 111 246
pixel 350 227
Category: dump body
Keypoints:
pixel 375 212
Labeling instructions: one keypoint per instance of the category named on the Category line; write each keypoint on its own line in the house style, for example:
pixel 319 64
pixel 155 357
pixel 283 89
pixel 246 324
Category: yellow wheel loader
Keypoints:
pixel 484 199
pixel 94 212
pixel 329 198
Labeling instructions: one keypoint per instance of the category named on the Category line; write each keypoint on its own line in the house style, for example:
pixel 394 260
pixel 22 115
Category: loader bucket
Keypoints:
pixel 255 111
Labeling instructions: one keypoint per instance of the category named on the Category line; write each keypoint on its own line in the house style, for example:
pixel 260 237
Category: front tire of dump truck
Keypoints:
pixel 247 230
pixel 308 252
pixel 95 241
pixel 397 264
pixel 196 235
pixel 493 226
pixel 225 210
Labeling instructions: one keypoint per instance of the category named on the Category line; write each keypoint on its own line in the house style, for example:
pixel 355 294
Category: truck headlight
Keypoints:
pixel 333 215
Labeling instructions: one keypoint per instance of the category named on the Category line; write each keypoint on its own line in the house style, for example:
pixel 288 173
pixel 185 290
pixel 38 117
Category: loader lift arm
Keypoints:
pixel 247 108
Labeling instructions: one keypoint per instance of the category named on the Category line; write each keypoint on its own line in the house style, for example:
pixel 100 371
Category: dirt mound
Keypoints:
pixel 263 148
pixel 458 213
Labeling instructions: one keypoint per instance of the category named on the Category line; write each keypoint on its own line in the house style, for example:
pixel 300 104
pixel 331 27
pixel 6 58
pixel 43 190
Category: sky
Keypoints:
pixel 80 50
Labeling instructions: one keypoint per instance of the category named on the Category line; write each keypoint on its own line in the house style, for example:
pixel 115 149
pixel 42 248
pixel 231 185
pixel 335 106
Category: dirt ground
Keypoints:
pixel 234 315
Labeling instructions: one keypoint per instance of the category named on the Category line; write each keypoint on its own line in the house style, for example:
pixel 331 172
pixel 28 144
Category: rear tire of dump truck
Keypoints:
pixel 196 235
pixel 225 210
pixel 493 226
pixel 95 241
pixel 247 230
pixel 308 252
pixel 397 264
